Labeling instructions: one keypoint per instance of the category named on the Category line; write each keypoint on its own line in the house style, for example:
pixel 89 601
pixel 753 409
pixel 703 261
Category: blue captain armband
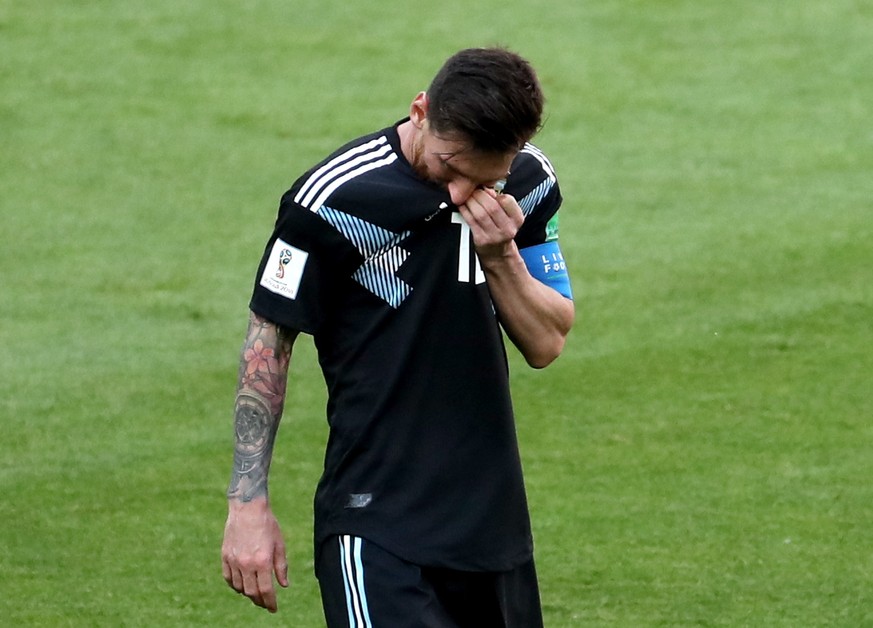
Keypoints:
pixel 546 264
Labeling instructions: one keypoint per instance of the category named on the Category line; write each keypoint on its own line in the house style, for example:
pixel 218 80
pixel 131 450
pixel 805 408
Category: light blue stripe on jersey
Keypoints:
pixel 529 202
pixel 545 262
pixel 382 253
pixel 353 579
pixel 349 605
pixel 359 567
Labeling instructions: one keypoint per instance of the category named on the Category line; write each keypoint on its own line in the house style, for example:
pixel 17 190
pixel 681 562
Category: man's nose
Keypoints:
pixel 460 190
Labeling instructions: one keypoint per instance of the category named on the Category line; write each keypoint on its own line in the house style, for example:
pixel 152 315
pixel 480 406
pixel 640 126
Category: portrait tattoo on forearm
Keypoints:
pixel 260 397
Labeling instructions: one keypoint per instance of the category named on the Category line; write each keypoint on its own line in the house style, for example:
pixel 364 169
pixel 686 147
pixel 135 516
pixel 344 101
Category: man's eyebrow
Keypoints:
pixel 444 160
pixel 485 182
pixel 448 154
pixel 451 166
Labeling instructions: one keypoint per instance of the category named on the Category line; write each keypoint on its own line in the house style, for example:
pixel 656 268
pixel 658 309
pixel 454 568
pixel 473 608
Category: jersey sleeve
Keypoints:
pixel 539 196
pixel 298 270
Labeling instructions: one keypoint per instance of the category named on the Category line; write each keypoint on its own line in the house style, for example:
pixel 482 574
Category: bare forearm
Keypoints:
pixel 260 399
pixel 536 318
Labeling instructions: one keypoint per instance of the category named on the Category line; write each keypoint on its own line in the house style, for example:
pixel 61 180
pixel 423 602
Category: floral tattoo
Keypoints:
pixel 260 398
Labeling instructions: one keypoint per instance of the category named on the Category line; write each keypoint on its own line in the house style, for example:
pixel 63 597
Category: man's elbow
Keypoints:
pixel 545 352
pixel 549 346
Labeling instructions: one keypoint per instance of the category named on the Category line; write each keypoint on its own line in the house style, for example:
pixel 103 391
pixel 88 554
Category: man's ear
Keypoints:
pixel 418 110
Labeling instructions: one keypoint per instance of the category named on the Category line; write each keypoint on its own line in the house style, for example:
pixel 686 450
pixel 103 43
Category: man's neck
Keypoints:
pixel 406 132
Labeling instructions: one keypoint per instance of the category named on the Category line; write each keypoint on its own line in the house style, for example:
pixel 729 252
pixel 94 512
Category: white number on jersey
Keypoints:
pixel 466 252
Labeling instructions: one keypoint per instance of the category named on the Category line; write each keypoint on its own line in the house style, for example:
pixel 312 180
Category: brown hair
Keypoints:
pixel 490 97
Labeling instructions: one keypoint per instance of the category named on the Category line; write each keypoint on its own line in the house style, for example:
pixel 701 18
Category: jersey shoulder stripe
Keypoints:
pixel 529 203
pixel 541 169
pixel 540 156
pixel 324 181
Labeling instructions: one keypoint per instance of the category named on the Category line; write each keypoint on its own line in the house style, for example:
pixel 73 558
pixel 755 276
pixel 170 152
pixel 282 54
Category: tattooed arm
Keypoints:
pixel 253 548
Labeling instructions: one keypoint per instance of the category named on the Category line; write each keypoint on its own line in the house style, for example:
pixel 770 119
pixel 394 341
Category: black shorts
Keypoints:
pixel 363 586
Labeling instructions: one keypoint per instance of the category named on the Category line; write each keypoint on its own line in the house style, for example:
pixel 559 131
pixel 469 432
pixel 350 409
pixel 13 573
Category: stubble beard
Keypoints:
pixel 417 159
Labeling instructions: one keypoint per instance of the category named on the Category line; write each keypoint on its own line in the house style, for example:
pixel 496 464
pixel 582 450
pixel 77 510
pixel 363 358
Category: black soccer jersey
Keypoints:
pixel 379 267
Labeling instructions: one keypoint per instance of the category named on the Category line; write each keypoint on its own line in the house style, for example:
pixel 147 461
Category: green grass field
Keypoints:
pixel 701 455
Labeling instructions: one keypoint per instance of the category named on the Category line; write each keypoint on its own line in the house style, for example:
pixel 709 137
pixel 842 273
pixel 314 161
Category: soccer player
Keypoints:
pixel 407 254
